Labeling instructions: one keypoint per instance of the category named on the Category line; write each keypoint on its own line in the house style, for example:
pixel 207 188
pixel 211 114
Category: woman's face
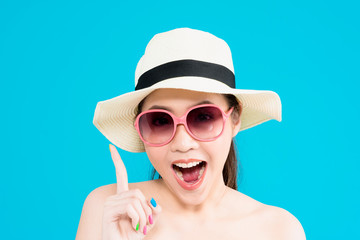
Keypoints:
pixel 185 148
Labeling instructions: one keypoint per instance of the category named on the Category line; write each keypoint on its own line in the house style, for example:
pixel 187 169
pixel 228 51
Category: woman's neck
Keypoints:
pixel 206 207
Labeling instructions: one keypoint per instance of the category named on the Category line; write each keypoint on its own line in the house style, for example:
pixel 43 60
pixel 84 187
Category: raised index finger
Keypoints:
pixel 121 174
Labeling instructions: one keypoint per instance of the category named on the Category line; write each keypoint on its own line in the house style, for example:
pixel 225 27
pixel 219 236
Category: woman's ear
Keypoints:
pixel 236 123
pixel 236 127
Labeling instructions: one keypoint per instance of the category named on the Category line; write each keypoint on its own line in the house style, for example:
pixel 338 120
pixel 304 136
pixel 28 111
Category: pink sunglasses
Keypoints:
pixel 157 127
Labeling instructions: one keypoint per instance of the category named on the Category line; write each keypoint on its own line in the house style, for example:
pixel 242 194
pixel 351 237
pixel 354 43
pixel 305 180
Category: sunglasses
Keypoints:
pixel 157 127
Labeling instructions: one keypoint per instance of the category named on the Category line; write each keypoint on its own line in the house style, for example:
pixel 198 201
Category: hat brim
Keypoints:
pixel 114 117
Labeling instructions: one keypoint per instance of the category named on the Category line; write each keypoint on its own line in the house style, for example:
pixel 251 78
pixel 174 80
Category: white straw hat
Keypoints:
pixel 182 58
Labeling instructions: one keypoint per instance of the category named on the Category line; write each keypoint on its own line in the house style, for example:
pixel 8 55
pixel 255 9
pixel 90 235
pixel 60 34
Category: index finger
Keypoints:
pixel 121 174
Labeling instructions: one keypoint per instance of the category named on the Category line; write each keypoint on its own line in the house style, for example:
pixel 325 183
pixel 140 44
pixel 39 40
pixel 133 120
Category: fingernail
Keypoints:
pixel 137 226
pixel 144 230
pixel 153 202
pixel 150 219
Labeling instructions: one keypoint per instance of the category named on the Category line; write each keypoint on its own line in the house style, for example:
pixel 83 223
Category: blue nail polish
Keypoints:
pixel 153 202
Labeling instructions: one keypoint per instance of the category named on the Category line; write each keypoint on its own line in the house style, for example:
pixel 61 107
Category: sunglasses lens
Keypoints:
pixel 156 127
pixel 205 122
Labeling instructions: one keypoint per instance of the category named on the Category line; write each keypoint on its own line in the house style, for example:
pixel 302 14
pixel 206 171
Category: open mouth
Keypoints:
pixel 190 176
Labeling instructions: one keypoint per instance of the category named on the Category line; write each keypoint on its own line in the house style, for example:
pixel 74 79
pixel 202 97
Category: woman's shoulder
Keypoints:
pixel 280 223
pixel 270 222
pixel 92 211
pixel 274 221
pixel 110 189
pixel 253 206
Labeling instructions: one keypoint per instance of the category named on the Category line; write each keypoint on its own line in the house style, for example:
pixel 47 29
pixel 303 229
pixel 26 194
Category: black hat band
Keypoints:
pixel 187 67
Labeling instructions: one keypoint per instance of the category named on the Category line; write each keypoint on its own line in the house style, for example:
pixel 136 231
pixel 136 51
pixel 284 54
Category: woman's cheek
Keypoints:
pixel 158 159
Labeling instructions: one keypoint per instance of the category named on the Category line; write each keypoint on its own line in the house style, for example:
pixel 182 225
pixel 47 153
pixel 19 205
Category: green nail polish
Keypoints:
pixel 137 226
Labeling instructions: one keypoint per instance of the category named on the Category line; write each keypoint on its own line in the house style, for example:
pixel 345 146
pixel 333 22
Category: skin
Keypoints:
pixel 183 146
pixel 213 211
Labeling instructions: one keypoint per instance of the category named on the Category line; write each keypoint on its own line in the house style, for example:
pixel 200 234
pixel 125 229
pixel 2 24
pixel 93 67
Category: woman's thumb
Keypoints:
pixel 156 209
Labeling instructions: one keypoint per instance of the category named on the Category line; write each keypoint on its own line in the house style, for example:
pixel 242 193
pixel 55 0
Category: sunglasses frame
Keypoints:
pixel 182 120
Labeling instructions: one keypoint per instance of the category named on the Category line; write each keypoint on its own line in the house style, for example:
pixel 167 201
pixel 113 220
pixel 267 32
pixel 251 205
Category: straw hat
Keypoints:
pixel 182 58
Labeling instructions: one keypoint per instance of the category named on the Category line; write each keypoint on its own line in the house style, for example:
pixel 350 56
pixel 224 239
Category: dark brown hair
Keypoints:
pixel 230 169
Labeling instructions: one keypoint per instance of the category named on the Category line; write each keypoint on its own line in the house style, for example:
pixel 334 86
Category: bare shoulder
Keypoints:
pixel 286 224
pixel 274 222
pixel 101 193
pixel 98 196
pixel 91 215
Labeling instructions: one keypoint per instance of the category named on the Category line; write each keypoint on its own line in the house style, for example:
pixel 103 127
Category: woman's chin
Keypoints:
pixel 190 193
pixel 192 197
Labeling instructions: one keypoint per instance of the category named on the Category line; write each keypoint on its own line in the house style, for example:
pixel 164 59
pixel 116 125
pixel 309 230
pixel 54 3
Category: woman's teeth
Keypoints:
pixel 201 171
pixel 188 165
pixel 180 175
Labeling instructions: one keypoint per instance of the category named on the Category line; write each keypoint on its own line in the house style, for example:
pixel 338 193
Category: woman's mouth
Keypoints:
pixel 191 175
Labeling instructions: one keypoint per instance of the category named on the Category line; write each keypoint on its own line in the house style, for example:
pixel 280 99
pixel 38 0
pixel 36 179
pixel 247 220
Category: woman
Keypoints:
pixel 184 113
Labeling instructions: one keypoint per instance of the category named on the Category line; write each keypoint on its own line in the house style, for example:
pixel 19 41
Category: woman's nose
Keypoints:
pixel 182 140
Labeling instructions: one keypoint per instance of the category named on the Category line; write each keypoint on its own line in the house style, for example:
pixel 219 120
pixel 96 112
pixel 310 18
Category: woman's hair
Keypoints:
pixel 231 165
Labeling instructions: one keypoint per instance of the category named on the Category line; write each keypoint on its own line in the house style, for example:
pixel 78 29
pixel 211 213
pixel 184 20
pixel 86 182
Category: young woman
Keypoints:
pixel 184 113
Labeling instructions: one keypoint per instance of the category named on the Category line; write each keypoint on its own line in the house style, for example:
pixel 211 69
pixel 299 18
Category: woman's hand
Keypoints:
pixel 127 214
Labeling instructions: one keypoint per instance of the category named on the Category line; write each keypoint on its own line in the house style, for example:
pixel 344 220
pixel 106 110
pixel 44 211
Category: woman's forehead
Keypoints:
pixel 183 97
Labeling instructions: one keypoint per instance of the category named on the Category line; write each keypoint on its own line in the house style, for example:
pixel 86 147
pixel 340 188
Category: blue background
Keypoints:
pixel 59 58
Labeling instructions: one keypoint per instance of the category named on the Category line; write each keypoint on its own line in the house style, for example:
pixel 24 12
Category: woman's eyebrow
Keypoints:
pixel 170 110
pixel 203 102
pixel 159 107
